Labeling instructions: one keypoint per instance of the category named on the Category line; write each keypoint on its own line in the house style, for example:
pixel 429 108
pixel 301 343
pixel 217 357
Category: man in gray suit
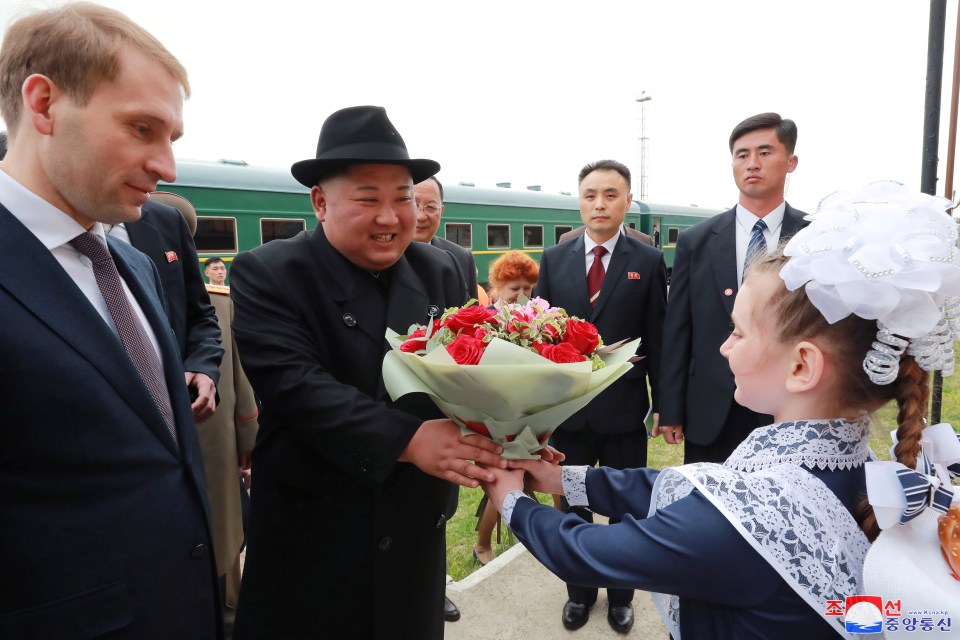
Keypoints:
pixel 696 384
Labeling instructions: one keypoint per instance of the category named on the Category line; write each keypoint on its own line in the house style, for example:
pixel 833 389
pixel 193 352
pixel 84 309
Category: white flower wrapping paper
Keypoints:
pixel 519 396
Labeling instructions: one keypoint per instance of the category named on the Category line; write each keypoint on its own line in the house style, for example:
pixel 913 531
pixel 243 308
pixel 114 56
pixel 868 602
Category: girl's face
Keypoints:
pixel 513 289
pixel 759 361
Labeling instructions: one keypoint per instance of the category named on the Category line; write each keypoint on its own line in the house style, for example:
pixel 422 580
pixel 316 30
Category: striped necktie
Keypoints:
pixel 757 247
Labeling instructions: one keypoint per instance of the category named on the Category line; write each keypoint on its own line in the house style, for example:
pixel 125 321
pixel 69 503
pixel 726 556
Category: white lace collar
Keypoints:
pixel 814 444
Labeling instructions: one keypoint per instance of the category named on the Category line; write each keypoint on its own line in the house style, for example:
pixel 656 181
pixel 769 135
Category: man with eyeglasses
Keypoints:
pixel 429 196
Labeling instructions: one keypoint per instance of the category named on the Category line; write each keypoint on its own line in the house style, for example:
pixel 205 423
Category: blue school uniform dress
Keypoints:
pixel 753 548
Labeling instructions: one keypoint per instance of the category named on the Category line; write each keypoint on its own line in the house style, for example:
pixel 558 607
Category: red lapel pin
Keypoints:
pixel 728 292
pixel 633 275
pixel 171 256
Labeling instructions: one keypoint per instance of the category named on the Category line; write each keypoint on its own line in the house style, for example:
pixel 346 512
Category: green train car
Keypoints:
pixel 240 206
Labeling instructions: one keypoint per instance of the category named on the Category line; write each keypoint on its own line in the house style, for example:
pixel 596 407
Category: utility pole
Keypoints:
pixel 643 99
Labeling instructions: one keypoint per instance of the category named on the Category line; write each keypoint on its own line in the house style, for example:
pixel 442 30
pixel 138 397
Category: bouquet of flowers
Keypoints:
pixel 512 374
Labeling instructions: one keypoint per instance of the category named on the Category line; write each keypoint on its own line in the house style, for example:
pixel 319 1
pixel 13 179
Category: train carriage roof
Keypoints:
pixel 226 174
pixel 236 175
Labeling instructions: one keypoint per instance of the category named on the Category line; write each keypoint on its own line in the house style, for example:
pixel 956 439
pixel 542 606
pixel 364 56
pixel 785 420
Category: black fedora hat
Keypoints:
pixel 359 135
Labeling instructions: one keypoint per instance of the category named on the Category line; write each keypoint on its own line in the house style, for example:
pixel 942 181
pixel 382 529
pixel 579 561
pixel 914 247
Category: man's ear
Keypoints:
pixel 39 95
pixel 319 202
pixel 807 367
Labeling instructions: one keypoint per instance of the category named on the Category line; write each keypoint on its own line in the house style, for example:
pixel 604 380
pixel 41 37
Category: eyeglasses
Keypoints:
pixel 430 208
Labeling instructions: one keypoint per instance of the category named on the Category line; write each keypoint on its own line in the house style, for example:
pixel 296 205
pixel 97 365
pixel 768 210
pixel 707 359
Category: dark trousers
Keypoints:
pixel 738 425
pixel 621 451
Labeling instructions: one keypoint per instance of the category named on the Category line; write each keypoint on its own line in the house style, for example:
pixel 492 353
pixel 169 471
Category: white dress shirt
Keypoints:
pixel 745 222
pixel 55 229
pixel 589 244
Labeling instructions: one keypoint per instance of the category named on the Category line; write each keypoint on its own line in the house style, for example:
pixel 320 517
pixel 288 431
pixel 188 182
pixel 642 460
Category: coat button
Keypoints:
pixel 199 550
pixel 349 320
pixel 365 465
pixel 385 543
pixel 433 311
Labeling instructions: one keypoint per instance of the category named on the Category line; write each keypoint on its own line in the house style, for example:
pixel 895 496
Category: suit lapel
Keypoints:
pixel 723 256
pixel 407 302
pixel 613 276
pixel 54 299
pixel 792 222
pixel 573 272
pixel 140 283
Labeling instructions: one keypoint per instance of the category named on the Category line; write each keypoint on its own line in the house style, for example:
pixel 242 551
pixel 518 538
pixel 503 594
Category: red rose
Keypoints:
pixel 417 341
pixel 466 349
pixel 413 345
pixel 581 335
pixel 565 352
pixel 468 317
pixel 562 352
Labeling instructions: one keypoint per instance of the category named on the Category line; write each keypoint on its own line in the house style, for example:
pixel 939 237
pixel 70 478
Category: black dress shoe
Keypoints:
pixel 621 618
pixel 575 615
pixel 452 614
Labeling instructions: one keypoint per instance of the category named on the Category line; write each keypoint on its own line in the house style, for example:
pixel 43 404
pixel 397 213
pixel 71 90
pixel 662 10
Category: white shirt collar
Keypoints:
pixel 773 220
pixel 49 224
pixel 609 245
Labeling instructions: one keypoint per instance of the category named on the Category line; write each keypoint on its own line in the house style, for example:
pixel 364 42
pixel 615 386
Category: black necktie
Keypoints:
pixel 132 334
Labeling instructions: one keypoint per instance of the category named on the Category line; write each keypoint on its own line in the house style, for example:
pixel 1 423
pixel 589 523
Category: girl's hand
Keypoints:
pixel 542 476
pixel 505 481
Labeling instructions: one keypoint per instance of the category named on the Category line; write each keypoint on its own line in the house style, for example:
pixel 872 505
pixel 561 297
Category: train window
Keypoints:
pixel 559 230
pixel 532 236
pixel 459 233
pixel 280 229
pixel 216 235
pixel 498 236
pixel 672 234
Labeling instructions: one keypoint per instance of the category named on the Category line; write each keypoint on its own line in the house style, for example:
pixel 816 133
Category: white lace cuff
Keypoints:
pixel 575 485
pixel 510 502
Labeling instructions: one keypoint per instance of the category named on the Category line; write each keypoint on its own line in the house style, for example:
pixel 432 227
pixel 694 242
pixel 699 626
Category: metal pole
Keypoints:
pixel 931 132
pixel 643 99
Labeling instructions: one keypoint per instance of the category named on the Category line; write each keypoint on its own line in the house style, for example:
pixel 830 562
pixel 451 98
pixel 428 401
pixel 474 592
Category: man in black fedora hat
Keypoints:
pixel 346 531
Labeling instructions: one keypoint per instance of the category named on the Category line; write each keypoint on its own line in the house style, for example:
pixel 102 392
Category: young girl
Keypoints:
pixel 759 546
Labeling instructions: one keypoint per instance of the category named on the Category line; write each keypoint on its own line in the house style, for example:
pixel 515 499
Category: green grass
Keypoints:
pixel 460 530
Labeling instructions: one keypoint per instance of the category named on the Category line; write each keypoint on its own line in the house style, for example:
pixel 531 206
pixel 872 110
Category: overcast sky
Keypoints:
pixel 529 91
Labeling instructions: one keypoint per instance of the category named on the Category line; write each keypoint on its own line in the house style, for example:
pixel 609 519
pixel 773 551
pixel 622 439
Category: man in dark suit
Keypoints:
pixel 346 531
pixel 102 509
pixel 630 303
pixel 429 196
pixel 630 231
pixel 696 384
pixel 162 233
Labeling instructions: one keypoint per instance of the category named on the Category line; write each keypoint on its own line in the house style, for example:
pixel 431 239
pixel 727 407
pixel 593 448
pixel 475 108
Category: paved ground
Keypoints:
pixel 516 598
